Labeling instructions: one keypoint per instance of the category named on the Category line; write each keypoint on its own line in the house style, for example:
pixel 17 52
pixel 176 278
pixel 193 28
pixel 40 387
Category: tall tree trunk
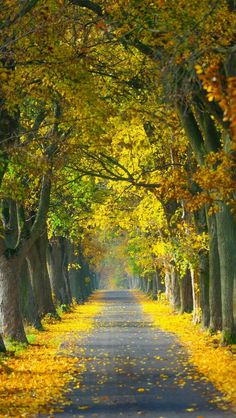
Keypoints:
pixel 234 303
pixel 130 282
pixel 204 287
pixel 200 218
pixel 40 278
pixel 226 234
pixel 154 287
pixel 93 281
pixel 196 296
pixel 137 282
pixel 175 289
pixel 10 314
pixel 159 285
pixel 75 285
pixel 10 263
pixel 29 308
pixel 65 269
pixel 74 275
pixel 142 284
pixel 97 279
pixel 186 296
pixel 168 285
pixel 86 277
pixel 55 257
pixel 2 345
pixel 148 285
pixel 214 276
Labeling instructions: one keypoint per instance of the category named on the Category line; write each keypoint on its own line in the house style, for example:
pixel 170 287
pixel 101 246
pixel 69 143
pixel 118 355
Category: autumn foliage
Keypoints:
pixel 117 157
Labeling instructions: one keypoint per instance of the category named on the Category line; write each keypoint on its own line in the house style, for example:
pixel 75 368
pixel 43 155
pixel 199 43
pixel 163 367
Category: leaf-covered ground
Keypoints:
pixel 34 379
pixel 216 362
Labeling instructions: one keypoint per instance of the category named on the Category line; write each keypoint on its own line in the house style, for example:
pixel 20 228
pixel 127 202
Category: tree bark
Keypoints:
pixel 168 285
pixel 10 314
pixel 159 285
pixel 142 284
pixel 186 296
pixel 214 276
pixel 149 285
pixel 2 345
pixel 40 278
pixel 56 271
pixel 196 296
pixel 74 274
pixel 200 218
pixel 29 308
pixel 204 287
pixel 226 228
pixel 65 269
pixel 86 277
pixel 96 279
pixel 154 287
pixel 175 290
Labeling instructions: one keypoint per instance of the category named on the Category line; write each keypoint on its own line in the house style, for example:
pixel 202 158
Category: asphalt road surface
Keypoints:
pixel 135 370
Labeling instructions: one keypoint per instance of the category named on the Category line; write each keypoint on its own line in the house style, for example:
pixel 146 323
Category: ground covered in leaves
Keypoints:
pixel 33 380
pixel 216 362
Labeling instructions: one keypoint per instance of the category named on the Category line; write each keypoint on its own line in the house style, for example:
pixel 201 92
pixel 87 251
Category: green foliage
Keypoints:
pixel 15 346
pixel 63 308
pixel 31 338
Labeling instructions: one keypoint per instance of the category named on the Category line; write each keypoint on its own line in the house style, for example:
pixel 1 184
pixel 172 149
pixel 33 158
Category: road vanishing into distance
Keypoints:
pixel 134 370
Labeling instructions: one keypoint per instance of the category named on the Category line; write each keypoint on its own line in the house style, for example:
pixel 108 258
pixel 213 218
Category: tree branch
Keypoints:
pixel 232 5
pixel 192 131
pixel 94 7
pixel 147 50
pixel 44 201
pixel 26 8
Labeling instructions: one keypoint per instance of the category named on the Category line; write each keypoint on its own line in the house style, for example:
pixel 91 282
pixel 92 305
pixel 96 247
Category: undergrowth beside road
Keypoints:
pixel 215 362
pixel 34 379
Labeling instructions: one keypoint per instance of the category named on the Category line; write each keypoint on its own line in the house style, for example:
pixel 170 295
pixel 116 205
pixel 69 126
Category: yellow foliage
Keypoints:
pixel 35 380
pixel 216 180
pixel 217 363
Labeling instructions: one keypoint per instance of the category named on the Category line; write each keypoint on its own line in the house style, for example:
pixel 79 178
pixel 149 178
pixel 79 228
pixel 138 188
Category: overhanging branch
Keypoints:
pixel 94 7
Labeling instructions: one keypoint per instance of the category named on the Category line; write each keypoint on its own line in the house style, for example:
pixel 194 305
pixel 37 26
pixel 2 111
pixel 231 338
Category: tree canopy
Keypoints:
pixel 118 135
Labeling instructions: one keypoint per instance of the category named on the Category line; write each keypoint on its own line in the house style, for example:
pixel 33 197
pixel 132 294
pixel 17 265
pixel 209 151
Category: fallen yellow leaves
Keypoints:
pixel 217 363
pixel 83 407
pixel 35 380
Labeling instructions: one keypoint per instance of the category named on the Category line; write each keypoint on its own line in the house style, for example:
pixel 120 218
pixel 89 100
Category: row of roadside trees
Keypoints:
pixel 117 119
